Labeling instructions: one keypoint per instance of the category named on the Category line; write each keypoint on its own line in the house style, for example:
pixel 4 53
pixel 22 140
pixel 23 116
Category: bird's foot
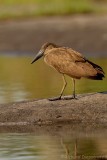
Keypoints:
pixel 68 97
pixel 55 98
pixel 62 98
pixel 74 97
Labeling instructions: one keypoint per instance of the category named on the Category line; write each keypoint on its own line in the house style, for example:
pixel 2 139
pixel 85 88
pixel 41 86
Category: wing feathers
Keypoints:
pixel 72 63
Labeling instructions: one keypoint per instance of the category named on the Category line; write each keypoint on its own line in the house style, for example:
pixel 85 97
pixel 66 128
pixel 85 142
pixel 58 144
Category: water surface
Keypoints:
pixel 19 80
pixel 18 146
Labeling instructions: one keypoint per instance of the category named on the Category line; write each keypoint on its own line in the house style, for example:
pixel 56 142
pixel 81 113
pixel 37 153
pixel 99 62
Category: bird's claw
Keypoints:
pixel 55 98
pixel 62 98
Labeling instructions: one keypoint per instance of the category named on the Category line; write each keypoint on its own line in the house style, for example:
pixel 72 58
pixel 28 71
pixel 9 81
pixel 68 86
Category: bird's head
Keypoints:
pixel 45 47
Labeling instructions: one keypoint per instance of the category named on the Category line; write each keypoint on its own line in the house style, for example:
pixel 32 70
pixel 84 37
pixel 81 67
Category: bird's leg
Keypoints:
pixel 63 88
pixel 74 95
pixel 64 85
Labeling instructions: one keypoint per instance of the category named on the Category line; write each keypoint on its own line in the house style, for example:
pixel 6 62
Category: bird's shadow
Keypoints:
pixel 105 92
pixel 69 97
pixel 85 95
pixel 90 94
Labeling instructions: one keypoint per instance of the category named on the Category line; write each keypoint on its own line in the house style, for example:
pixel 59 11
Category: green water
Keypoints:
pixel 18 146
pixel 19 80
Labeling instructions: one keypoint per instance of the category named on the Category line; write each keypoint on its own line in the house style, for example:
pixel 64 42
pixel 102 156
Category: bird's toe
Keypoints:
pixel 55 98
pixel 68 97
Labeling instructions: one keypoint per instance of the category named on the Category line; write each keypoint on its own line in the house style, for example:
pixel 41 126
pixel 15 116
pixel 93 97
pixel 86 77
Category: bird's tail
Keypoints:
pixel 98 76
pixel 100 73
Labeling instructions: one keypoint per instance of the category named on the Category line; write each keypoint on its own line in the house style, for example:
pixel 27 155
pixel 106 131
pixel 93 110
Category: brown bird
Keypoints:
pixel 70 62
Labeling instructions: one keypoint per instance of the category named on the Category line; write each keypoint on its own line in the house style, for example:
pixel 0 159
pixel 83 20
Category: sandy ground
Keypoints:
pixel 87 34
pixel 88 111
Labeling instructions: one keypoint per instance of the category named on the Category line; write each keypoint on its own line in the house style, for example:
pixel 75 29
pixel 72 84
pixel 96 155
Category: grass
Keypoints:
pixel 31 8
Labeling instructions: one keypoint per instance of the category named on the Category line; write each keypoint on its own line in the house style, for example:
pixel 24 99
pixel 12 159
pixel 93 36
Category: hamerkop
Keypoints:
pixel 70 62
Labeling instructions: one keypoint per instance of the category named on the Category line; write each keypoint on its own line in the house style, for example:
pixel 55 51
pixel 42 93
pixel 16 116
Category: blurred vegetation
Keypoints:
pixel 31 8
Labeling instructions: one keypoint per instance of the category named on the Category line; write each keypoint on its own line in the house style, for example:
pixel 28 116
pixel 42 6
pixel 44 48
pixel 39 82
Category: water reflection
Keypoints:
pixel 19 80
pixel 32 147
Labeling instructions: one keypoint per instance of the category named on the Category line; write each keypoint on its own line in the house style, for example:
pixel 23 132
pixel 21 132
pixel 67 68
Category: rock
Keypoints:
pixel 87 109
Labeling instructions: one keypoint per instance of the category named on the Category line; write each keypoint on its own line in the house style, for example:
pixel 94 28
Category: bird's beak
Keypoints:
pixel 38 55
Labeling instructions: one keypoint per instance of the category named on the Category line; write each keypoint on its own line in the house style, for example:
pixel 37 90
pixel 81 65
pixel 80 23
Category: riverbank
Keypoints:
pixel 87 34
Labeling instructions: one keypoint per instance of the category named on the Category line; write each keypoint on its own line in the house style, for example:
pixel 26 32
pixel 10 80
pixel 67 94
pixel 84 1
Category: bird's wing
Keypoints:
pixel 72 63
pixel 75 56
pixel 64 61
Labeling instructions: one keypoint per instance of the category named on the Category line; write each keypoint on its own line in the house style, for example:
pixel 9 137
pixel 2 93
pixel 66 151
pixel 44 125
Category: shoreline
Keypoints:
pixel 77 32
